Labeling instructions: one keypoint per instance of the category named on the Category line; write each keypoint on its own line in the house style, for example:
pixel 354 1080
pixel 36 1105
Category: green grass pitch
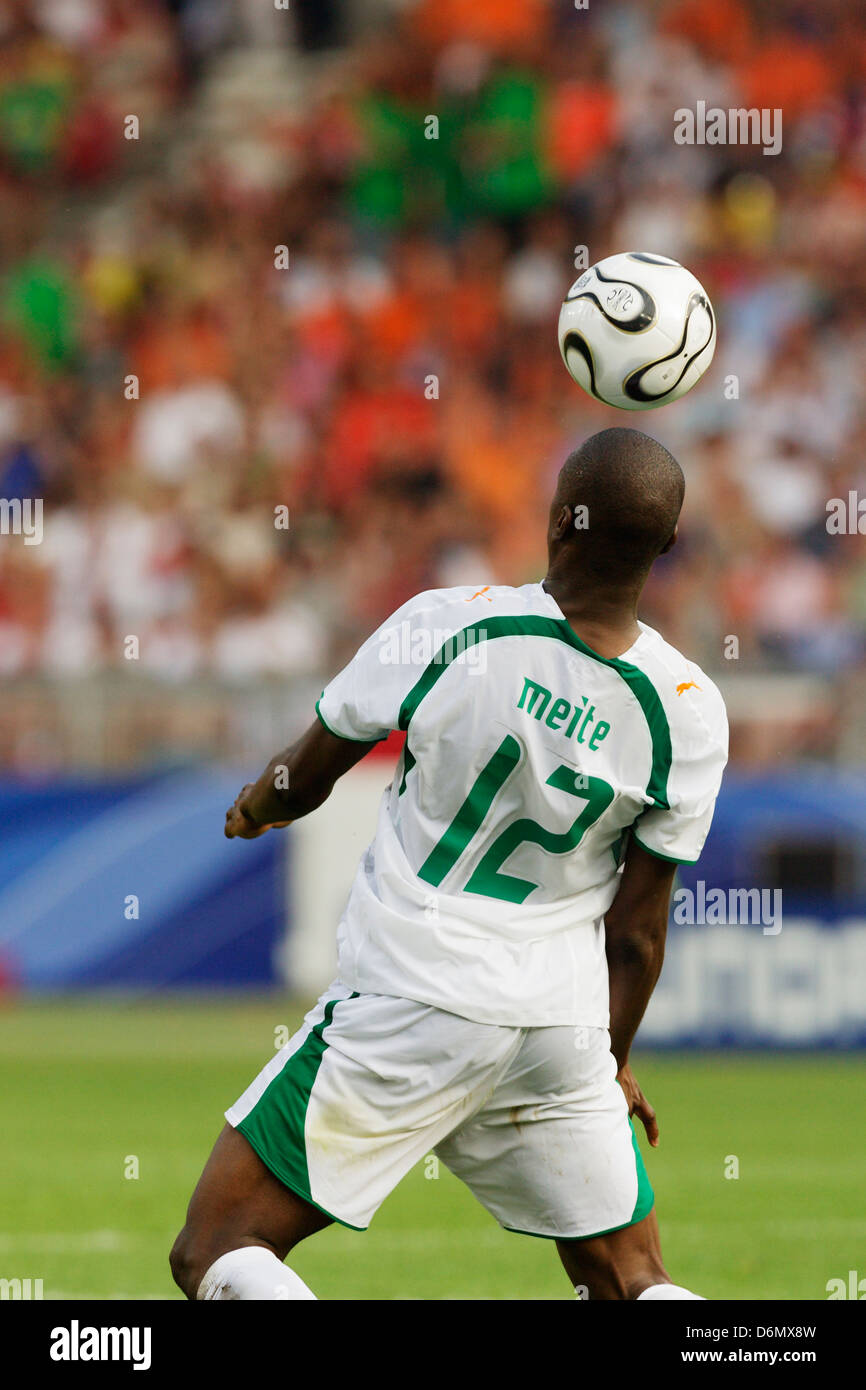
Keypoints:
pixel 89 1085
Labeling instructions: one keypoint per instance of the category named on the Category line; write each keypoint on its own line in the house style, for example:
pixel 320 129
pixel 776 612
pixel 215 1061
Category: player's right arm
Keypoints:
pixel 294 783
pixel 358 709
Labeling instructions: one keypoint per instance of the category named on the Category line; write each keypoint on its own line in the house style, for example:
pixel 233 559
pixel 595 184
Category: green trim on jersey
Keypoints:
pixel 323 721
pixel 275 1125
pixel 657 854
pixel 560 630
pixel 408 764
pixel 345 737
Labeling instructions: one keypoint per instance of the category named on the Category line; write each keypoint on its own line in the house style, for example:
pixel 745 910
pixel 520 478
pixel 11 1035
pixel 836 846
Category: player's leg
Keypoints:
pixel 553 1154
pixel 241 1223
pixel 243 1218
pixel 624 1264
pixel 338 1116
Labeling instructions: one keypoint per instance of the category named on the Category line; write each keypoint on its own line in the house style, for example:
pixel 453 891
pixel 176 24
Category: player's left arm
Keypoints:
pixel 663 837
pixel 635 927
pixel 294 783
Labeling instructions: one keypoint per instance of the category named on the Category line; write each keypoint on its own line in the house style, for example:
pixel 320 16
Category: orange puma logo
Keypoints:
pixel 687 685
pixel 480 594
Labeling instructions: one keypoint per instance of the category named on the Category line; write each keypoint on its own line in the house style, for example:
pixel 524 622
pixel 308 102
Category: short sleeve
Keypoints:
pixel 699 747
pixel 363 701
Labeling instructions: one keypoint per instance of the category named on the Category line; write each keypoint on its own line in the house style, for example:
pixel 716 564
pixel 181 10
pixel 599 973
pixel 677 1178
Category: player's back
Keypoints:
pixel 528 759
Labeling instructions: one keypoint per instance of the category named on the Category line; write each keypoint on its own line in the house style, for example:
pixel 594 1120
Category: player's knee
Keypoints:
pixel 189 1263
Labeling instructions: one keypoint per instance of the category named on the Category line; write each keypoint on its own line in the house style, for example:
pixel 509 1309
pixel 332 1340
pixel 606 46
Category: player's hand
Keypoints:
pixel 638 1104
pixel 238 824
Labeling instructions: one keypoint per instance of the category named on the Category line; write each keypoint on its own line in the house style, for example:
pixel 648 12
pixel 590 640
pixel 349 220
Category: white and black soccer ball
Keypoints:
pixel 637 330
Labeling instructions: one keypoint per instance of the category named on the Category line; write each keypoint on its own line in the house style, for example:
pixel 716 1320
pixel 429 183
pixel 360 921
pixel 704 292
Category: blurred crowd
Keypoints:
pixel 278 302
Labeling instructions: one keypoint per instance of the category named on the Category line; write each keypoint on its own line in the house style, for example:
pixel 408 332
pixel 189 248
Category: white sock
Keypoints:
pixel 251 1273
pixel 660 1292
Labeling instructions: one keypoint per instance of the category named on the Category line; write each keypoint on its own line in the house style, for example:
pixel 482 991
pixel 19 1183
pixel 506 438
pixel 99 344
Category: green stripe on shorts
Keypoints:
pixel 645 1196
pixel 275 1127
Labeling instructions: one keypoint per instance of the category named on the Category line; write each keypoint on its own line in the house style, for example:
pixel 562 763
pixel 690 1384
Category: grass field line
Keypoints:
pixel 784 1226
pixel 113 1242
pixel 90 1295
pixel 469 1296
pixel 110 1242
pixel 67 1242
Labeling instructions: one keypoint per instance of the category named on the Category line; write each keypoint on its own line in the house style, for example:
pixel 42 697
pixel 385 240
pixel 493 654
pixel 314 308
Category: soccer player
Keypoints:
pixel 506 926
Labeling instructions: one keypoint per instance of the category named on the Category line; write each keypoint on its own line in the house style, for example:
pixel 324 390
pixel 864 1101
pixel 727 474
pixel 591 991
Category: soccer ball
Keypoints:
pixel 637 330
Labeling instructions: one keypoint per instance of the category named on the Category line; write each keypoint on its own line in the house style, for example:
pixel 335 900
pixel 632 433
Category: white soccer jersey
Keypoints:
pixel 528 757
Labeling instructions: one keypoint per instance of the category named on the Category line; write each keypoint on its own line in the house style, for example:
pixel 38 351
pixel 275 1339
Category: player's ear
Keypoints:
pixel 669 544
pixel 562 522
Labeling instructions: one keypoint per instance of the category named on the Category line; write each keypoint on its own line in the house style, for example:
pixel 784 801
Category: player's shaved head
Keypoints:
pixel 632 490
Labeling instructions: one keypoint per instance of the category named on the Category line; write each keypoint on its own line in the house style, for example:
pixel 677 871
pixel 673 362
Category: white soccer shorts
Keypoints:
pixel 531 1119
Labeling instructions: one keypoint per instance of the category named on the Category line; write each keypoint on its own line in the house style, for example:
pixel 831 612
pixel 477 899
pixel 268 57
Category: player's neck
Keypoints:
pixel 604 617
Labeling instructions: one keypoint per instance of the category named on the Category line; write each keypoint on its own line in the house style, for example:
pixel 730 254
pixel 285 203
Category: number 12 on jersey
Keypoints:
pixel 486 878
